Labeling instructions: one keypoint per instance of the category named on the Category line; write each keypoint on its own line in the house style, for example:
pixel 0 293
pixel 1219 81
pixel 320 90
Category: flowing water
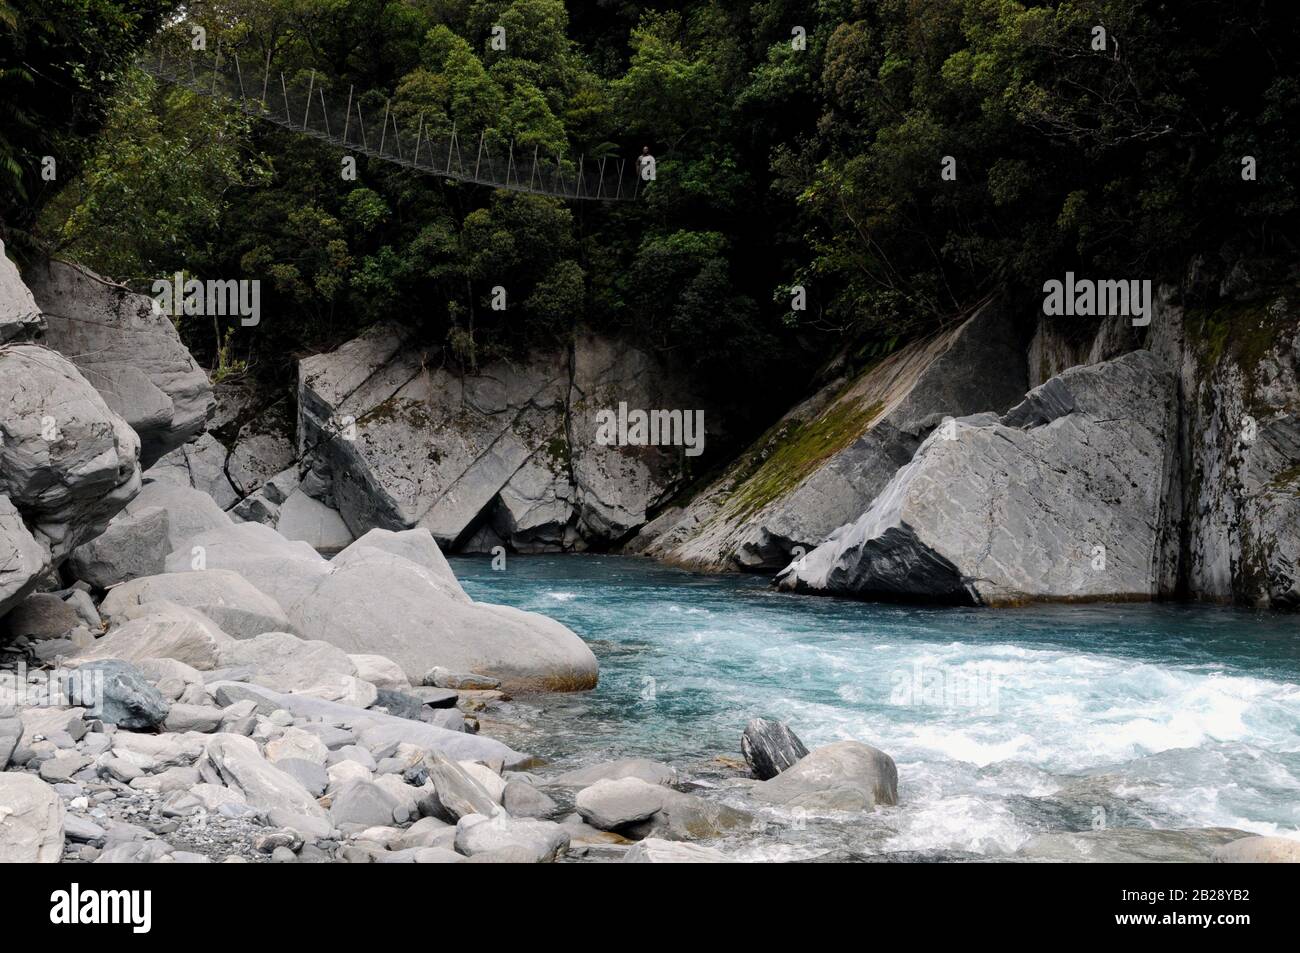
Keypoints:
pixel 1003 723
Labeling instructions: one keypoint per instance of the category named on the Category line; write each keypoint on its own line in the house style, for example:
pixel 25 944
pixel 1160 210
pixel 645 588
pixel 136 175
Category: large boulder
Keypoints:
pixel 161 518
pixel 538 842
pixel 1062 498
pixel 285 662
pixel 31 821
pixel 770 747
pixel 161 630
pixel 822 464
pixel 68 464
pixel 129 350
pixel 287 571
pixel 117 693
pixel 20 317
pixel 376 602
pixel 516 459
pixel 843 776
pixel 227 598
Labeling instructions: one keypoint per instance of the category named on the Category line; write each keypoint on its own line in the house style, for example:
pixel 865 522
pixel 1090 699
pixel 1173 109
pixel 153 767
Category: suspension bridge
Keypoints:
pixel 309 105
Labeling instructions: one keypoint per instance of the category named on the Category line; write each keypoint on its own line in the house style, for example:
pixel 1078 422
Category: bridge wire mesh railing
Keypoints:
pixel 357 123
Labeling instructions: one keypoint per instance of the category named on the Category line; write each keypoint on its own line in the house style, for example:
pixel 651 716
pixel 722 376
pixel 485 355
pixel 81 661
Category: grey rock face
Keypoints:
pixel 31 822
pixel 515 445
pixel 132 354
pixel 770 747
pixel 843 776
pixel 1239 526
pixel 128 700
pixel 822 465
pixel 1061 499
pixel 20 318
pixel 67 465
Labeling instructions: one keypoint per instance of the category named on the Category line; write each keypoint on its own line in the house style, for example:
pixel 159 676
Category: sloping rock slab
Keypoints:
pixel 1062 499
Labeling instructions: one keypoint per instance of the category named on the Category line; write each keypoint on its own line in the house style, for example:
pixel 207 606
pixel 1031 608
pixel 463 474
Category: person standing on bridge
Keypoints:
pixel 645 165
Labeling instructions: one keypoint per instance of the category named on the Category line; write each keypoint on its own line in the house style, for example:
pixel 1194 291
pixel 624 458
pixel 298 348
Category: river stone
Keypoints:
pixel 653 772
pixel 539 842
pixel 1014 510
pixel 610 805
pixel 296 743
pixel 311 775
pixel 456 793
pixel 200 718
pixel 225 597
pixel 385 674
pixel 521 799
pixel 362 803
pixel 1259 850
pixel 686 817
pixel 239 763
pixel 128 700
pixel 31 820
pixel 654 850
pixel 42 615
pixel 130 351
pixel 286 663
pixel 442 678
pixel 161 630
pixel 843 776
pixel 770 747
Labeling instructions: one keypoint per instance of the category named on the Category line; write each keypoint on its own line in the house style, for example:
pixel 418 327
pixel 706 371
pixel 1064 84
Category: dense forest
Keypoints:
pixel 897 159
